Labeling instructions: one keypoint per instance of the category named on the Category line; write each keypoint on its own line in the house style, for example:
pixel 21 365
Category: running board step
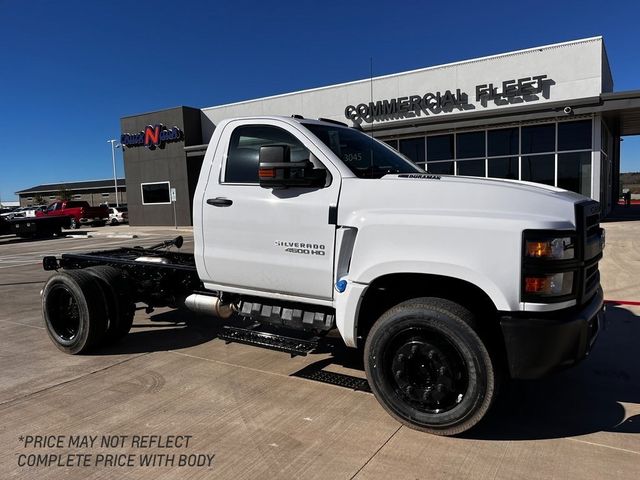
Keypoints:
pixel 293 346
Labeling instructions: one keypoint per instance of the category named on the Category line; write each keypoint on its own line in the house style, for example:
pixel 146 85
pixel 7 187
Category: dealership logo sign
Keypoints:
pixel 152 136
pixel 432 103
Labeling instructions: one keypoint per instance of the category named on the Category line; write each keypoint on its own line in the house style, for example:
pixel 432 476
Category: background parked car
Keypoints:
pixel 118 215
pixel 31 211
pixel 24 212
pixel 10 213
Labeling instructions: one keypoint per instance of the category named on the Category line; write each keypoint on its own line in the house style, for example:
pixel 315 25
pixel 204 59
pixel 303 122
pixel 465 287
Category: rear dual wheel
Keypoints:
pixel 120 307
pixel 86 308
pixel 73 310
pixel 428 368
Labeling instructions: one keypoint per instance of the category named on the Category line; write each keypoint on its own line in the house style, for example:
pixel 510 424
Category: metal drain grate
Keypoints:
pixel 332 378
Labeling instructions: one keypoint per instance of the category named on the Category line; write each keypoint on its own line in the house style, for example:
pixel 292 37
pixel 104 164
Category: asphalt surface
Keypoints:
pixel 254 413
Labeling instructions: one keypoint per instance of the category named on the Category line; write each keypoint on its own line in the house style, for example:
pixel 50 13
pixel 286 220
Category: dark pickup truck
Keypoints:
pixel 34 227
pixel 80 213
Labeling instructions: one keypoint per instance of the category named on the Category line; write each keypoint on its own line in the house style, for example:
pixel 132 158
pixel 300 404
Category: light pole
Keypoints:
pixel 113 161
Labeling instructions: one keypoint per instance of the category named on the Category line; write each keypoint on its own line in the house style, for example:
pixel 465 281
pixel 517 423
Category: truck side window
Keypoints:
pixel 244 148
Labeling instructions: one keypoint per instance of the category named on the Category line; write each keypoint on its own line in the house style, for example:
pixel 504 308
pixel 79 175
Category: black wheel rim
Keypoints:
pixel 426 370
pixel 64 313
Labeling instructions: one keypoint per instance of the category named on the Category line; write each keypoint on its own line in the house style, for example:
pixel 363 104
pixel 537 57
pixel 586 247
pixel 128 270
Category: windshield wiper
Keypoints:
pixel 375 171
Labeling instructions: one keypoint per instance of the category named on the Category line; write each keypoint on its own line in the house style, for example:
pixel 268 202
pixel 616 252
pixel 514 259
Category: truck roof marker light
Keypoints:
pixel 341 285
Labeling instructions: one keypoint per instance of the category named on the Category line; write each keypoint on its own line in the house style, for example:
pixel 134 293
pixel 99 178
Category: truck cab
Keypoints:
pixel 319 213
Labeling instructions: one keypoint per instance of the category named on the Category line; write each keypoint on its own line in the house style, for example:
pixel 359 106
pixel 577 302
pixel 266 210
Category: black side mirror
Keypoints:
pixel 276 170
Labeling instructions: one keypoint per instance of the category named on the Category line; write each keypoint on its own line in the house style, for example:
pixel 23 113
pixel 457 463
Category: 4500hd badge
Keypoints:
pixel 301 247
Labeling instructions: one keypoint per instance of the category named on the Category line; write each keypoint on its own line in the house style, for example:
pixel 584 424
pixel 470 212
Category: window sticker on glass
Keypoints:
pixel 352 157
pixel 364 156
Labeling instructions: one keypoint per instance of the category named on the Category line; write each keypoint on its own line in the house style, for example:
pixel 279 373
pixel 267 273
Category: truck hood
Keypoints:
pixel 537 205
pixel 459 227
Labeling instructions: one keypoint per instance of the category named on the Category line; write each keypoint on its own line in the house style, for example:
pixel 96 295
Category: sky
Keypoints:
pixel 69 70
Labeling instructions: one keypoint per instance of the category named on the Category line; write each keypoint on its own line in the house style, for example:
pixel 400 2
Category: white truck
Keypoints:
pixel 447 284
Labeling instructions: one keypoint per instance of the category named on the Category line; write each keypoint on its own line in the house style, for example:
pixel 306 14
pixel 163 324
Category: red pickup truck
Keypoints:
pixel 80 213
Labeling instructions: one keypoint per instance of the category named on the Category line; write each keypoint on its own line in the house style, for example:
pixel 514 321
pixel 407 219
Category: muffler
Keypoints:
pixel 208 304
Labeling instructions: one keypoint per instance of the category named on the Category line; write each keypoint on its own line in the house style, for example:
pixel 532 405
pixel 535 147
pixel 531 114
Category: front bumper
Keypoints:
pixel 540 344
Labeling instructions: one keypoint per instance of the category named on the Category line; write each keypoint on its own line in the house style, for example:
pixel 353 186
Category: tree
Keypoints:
pixel 38 199
pixel 64 194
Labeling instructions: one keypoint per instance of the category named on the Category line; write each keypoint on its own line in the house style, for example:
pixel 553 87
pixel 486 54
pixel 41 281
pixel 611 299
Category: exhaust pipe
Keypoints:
pixel 208 304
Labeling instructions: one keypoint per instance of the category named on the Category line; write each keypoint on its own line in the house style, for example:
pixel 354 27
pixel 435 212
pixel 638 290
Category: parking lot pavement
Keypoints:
pixel 620 269
pixel 262 416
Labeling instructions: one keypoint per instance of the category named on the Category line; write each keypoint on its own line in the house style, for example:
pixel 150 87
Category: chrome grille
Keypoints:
pixel 590 251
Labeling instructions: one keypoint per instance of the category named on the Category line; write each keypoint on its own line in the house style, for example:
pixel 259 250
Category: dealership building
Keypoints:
pixel 547 114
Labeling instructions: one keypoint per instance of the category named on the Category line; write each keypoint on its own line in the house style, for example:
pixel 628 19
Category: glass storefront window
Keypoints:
pixel 441 168
pixel 440 147
pixel 574 135
pixel 574 172
pixel 502 142
pixel 530 152
pixel 539 168
pixel 392 143
pixel 539 138
pixel 471 168
pixel 470 145
pixel 505 167
pixel 413 149
pixel 604 142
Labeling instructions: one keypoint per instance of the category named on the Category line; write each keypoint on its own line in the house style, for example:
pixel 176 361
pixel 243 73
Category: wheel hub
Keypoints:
pixel 429 373
pixel 64 313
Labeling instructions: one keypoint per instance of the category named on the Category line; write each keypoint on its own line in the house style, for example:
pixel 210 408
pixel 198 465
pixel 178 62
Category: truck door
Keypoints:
pixel 54 209
pixel 263 239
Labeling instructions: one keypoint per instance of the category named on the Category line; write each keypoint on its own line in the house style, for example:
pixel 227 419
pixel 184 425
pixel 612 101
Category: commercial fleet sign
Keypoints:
pixel 513 91
pixel 152 136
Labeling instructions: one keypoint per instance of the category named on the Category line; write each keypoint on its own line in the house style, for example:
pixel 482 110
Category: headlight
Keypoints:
pixel 560 248
pixel 553 285
pixel 549 266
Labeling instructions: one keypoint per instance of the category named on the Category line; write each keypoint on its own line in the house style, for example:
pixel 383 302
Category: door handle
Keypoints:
pixel 220 202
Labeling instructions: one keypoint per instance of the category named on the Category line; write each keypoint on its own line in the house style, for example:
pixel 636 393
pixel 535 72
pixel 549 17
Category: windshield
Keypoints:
pixel 363 155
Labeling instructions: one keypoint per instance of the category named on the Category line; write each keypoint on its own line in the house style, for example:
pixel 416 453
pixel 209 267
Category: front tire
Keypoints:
pixel 428 368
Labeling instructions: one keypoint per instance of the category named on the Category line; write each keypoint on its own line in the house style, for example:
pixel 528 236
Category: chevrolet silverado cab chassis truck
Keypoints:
pixel 446 283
